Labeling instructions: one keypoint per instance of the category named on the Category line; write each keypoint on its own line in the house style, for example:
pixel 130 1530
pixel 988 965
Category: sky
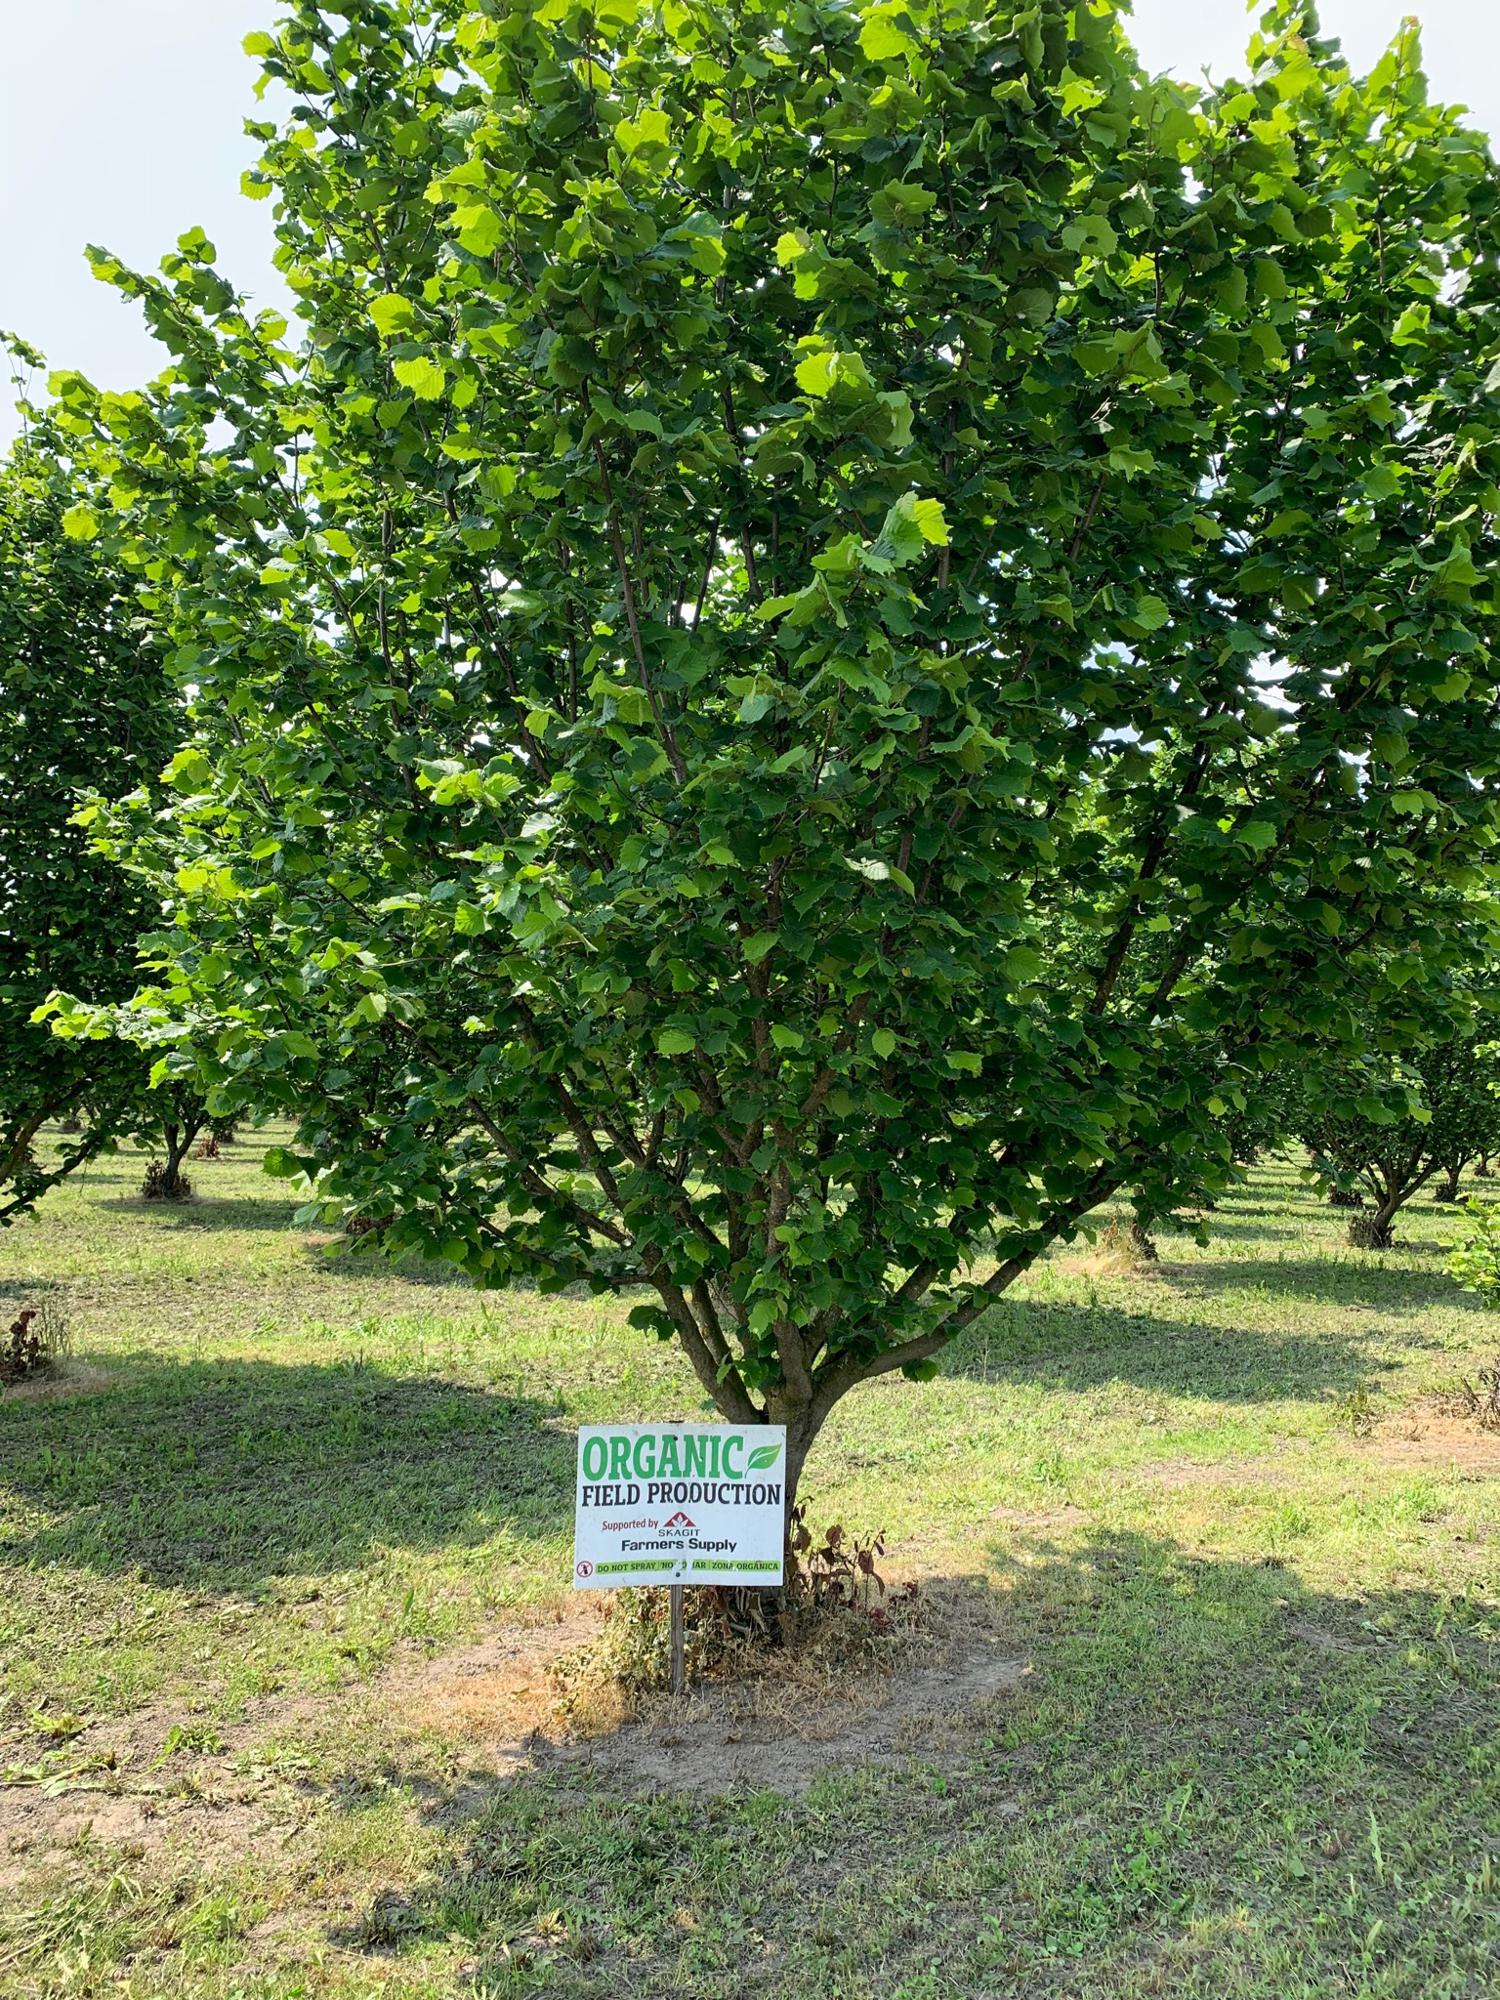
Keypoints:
pixel 146 141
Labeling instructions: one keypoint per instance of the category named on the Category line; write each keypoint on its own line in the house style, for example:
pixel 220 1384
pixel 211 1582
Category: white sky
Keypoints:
pixel 120 124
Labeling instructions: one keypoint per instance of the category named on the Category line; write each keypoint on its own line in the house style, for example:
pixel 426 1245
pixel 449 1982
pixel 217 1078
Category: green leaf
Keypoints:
pixel 80 523
pixel 479 229
pixel 884 35
pixel 763 1457
pixel 1023 963
pixel 902 202
pixel 426 379
pixel 1257 834
pixel 651 130
pixel 189 770
pixel 676 1042
pixel 1091 233
pixel 910 526
pixel 392 314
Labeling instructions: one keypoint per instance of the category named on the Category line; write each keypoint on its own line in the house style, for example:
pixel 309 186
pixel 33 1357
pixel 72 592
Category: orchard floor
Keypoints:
pixel 280 1585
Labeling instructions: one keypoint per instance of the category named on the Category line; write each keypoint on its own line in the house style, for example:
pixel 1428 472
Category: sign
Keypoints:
pixel 679 1503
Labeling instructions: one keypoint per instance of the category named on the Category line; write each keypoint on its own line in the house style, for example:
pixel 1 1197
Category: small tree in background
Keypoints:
pixel 172 1116
pixel 1388 1138
pixel 853 621
pixel 84 705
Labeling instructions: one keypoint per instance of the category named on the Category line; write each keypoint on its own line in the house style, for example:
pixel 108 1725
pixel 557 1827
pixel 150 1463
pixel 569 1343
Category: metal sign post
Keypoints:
pixel 679 1669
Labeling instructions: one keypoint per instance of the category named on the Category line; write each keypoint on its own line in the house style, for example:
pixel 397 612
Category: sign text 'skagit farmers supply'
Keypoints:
pixel 679 1503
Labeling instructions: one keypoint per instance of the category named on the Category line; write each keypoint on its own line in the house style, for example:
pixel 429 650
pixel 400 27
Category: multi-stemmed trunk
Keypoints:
pixel 1375 1229
pixel 1450 1189
pixel 178 1133
pixel 178 1139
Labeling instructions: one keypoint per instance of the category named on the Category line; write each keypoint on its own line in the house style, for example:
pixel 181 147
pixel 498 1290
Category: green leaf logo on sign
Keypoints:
pixel 764 1458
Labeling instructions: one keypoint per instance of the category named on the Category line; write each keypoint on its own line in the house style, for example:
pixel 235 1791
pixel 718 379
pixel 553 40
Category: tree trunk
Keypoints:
pixel 1449 1191
pixel 178 1138
pixel 802 1428
pixel 1376 1231
pixel 1143 1243
pixel 1482 1170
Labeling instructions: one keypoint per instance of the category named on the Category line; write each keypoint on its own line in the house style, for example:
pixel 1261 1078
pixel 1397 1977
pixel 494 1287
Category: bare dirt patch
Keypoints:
pixel 1321 1639
pixel 1181 1475
pixel 774 1731
pixel 500 1693
pixel 39 1832
pixel 717 1737
pixel 1433 1440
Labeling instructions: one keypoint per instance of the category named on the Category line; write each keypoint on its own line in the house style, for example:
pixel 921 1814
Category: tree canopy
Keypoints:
pixel 851 619
pixel 84 705
pixel 1387 1130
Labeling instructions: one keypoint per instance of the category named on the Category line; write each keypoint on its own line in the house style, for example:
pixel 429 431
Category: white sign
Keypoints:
pixel 679 1503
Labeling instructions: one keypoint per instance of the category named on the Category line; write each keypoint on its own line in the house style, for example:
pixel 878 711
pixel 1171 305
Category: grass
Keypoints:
pixel 1250 1570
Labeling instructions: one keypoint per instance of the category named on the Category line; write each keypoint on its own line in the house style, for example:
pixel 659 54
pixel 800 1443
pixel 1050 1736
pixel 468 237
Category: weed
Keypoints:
pixel 37 1339
pixel 1480 1402
pixel 161 1183
pixel 1124 1245
pixel 1356 1411
pixel 190 1739
pixel 834 1610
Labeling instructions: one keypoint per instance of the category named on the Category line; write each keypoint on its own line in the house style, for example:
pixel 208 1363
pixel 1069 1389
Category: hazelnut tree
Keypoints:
pixel 843 624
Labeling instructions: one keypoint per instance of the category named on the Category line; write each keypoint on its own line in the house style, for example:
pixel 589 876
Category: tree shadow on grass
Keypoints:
pixel 1210 1778
pixel 1225 1222
pixel 205 1210
pixel 1357 1277
pixel 1069 1346
pixel 222 1475
pixel 336 1259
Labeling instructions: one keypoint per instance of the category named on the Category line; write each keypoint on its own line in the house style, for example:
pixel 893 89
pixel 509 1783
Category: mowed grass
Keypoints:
pixel 1250 1567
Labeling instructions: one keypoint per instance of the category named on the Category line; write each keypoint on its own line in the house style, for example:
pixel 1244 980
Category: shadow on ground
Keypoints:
pixel 206 1210
pixel 1224 1222
pixel 1345 1277
pixel 1064 1345
pixel 221 1475
pixel 338 1259
pixel 1211 1779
